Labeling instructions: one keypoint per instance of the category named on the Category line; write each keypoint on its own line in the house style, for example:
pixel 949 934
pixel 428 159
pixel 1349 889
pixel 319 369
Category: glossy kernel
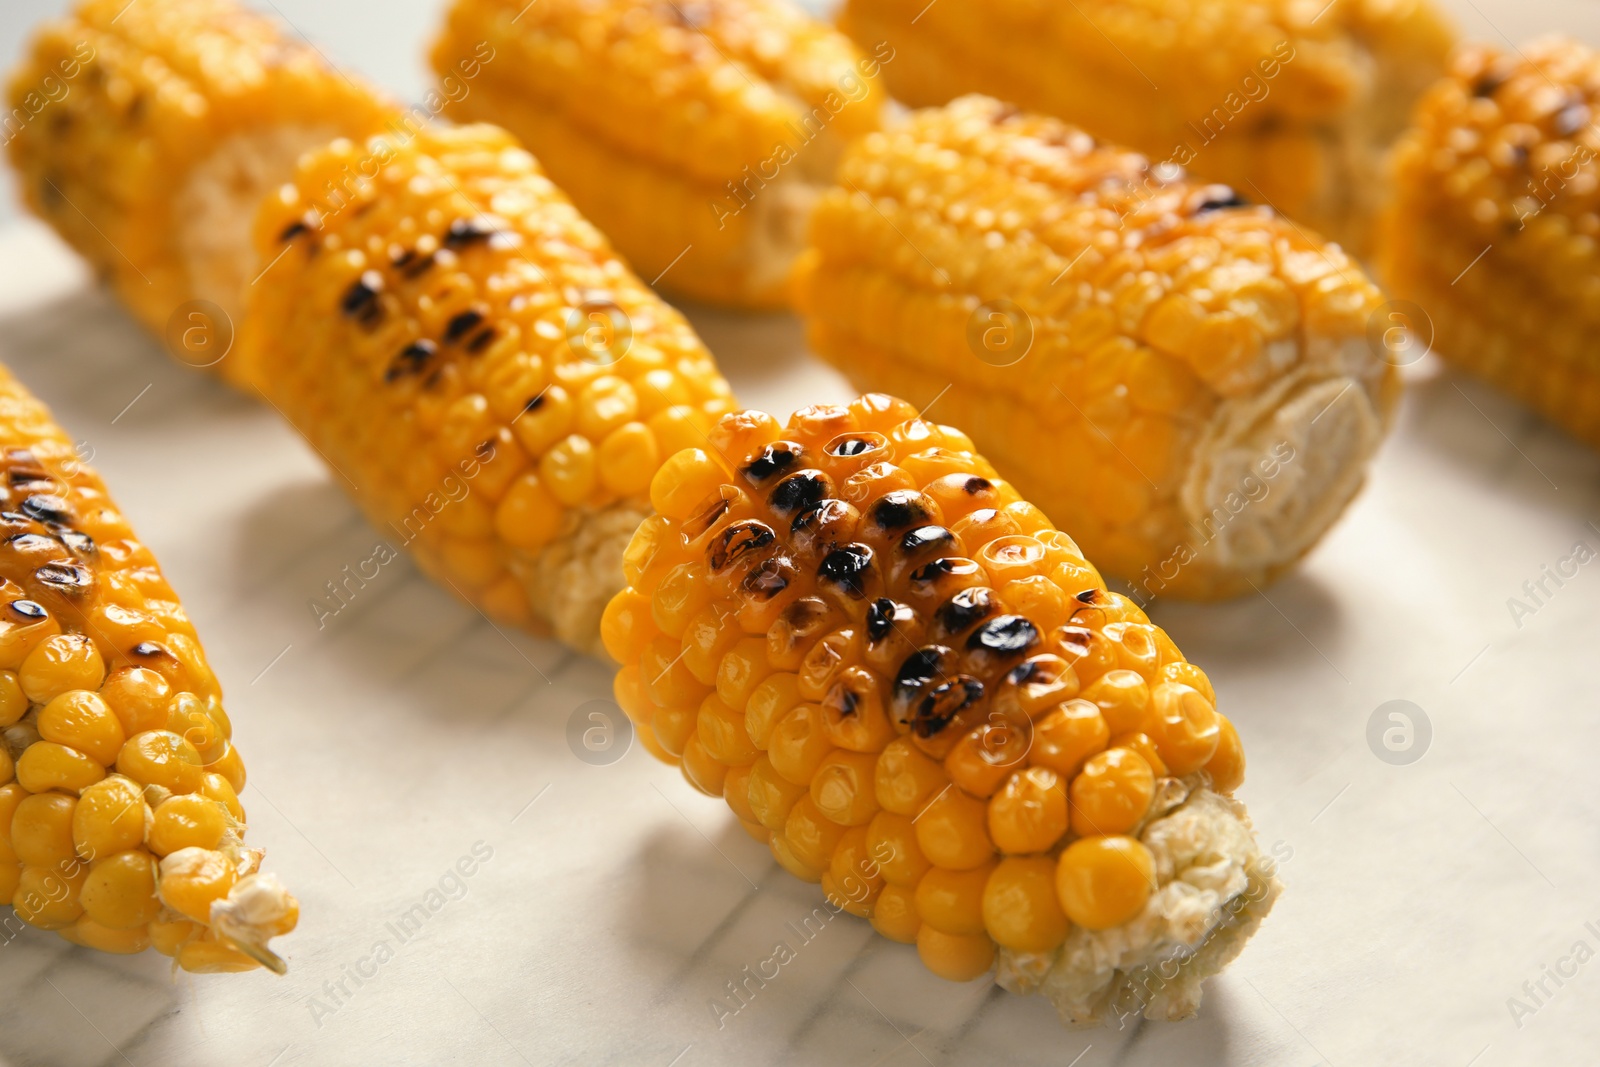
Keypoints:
pixel 1104 881
pixel 1021 909
pixel 1112 793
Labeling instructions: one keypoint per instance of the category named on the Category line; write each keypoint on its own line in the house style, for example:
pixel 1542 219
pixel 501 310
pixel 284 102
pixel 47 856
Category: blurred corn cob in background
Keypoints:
pixel 696 135
pixel 918 693
pixel 1494 223
pixel 488 379
pixel 1292 103
pixel 1184 382
pixel 495 386
pixel 148 133
pixel 120 824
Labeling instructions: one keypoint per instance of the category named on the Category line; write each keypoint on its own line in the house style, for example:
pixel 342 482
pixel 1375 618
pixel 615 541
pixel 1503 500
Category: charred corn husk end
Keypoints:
pixel 919 693
pixel 1491 234
pixel 1184 381
pixel 491 382
pixel 148 133
pixel 1291 104
pixel 120 822
pixel 695 135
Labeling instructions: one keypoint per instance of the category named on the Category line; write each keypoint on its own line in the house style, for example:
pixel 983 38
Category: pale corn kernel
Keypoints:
pixel 192 879
pixel 952 901
pixel 1112 793
pixel 139 697
pixel 187 820
pixel 47 765
pixel 120 891
pixel 842 787
pixel 214 957
pixel 1029 813
pixel 110 817
pixel 1021 909
pixel 955 957
pixel 951 830
pixel 61 663
pixel 894 915
pixel 1104 881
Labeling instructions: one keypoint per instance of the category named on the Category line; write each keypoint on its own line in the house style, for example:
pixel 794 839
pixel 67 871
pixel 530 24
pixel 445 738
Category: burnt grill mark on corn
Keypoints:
pixel 1075 639
pixel 899 509
pixel 534 403
pixel 150 650
pixel 931 573
pixel 1088 596
pixel 919 669
pixel 360 301
pixel 966 608
pixel 462 324
pixel 843 700
pixel 772 461
pixel 804 618
pixel 975 485
pixel 413 359
pixel 47 507
pixel 1219 198
pixel 29 610
pixel 801 490
pixel 67 577
pixel 847 568
pixel 699 524
pixel 1487 84
pixel 880 619
pixel 1024 673
pixel 926 538
pixel 418 267
pixel 851 446
pixel 31 542
pixel 21 477
pixel 738 541
pixel 770 577
pixel 81 544
pixel 488 228
pixel 481 341
pixel 293 230
pixel 936 710
pixel 1004 635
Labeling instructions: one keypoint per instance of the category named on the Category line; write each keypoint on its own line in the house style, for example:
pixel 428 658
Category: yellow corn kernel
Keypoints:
pixel 13 701
pixel 741 670
pixel 48 897
pixel 952 901
pixel 1112 793
pixel 139 697
pixel 1020 907
pixel 220 789
pixel 161 757
pixel 703 771
pixel 109 818
pixel 229 765
pixel 61 663
pixel 1123 698
pixel 1104 881
pixel 771 795
pixel 46 766
pixel 41 830
pixel 1226 765
pixel 1183 725
pixel 1190 675
pixel 842 787
pixel 721 730
pixel 169 936
pixel 952 830
pixel 19 636
pixel 955 957
pixel 214 957
pixel 626 627
pixel 894 915
pixel 905 780
pixel 192 879
pixel 1029 813
pixel 799 743
pixel 84 721
pixel 774 698
pixel 188 820
pixel 736 791
pixel 683 482
pixel 784 853
pixel 857 877
pixel 811 835
pixel 120 891
pixel 671 727
pixel 529 516
pixel 1146 748
pixel 90 934
pixel 984 758
pixel 1068 735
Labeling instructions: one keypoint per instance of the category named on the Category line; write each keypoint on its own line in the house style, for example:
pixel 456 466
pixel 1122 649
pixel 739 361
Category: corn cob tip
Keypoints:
pixel 917 691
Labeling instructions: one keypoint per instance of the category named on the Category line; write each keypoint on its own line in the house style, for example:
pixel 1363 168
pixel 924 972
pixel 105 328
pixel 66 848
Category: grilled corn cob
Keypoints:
pixel 1494 220
pixel 1292 103
pixel 921 695
pixel 147 133
pixel 695 134
pixel 467 352
pixel 1184 382
pixel 120 824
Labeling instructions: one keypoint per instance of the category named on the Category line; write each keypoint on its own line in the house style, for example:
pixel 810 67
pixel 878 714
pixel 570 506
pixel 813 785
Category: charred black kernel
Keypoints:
pixel 851 446
pixel 920 668
pixel 1088 596
pixel 293 230
pixel 880 619
pixel 942 568
pixel 150 650
pixel 32 542
pixel 739 540
pixel 15 516
pixel 702 522
pixel 1024 673
pixel 68 576
pixel 1074 639
pixel 943 704
pixel 899 509
pixel 1004 635
pixel 819 516
pixel 966 608
pixel 27 609
pixel 773 461
pixel 534 403
pixel 413 358
pixel 81 544
pixel 25 476
pixel 481 341
pixel 462 324
pixel 1572 118
pixel 925 537
pixel 770 578
pixel 47 507
pixel 799 491
pixel 847 568
pixel 464 232
pixel 975 485
pixel 1219 198
pixel 416 267
pixel 1487 84
pixel 361 299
